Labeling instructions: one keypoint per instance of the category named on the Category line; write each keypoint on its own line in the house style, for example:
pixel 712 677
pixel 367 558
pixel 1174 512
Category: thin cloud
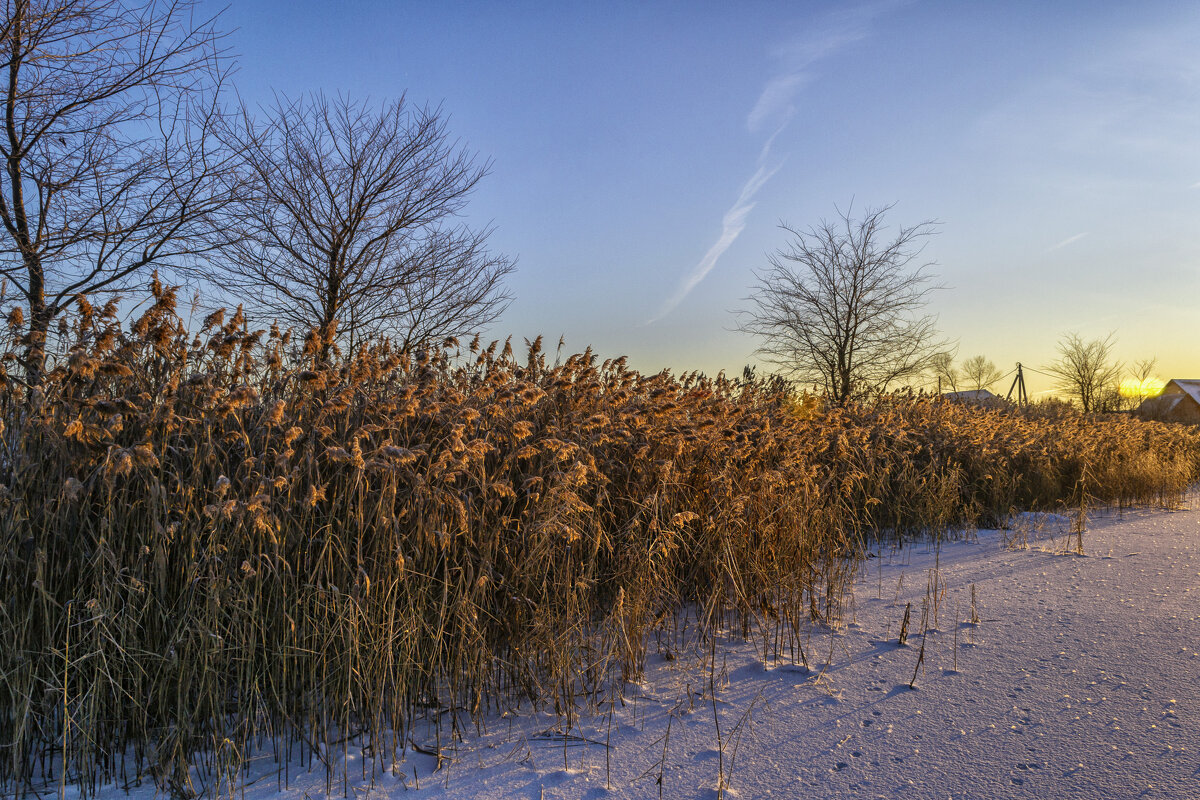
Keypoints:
pixel 1066 241
pixel 774 109
pixel 776 103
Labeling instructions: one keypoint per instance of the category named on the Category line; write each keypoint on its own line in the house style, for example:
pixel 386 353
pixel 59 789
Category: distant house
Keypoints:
pixel 1179 402
pixel 979 397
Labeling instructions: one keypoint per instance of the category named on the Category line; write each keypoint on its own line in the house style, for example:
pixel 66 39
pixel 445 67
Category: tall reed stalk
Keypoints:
pixel 213 546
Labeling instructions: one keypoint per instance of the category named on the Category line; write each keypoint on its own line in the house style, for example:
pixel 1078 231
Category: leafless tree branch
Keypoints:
pixel 1087 371
pixel 841 306
pixel 109 167
pixel 942 368
pixel 346 218
pixel 980 373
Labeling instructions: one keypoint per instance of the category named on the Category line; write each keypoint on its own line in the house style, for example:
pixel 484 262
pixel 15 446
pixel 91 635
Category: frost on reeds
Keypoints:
pixel 214 547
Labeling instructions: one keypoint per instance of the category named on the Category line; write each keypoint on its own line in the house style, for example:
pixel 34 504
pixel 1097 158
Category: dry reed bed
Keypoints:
pixel 212 548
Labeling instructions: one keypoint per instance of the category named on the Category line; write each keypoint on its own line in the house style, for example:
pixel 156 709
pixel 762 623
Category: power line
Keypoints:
pixel 1043 374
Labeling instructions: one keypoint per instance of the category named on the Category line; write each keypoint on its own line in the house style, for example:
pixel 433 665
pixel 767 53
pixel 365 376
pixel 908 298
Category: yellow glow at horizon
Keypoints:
pixel 1151 387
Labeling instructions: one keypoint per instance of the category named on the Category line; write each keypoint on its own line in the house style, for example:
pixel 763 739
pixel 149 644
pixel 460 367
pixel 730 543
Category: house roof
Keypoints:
pixel 1190 387
pixel 1172 395
pixel 975 395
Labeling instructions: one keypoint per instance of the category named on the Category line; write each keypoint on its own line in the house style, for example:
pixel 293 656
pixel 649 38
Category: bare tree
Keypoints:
pixel 842 305
pixel 1140 384
pixel 346 221
pixel 109 169
pixel 1143 370
pixel 941 366
pixel 1087 371
pixel 980 373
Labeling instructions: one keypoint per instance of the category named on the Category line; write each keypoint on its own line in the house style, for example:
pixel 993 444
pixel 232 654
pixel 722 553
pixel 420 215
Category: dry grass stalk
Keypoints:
pixel 251 552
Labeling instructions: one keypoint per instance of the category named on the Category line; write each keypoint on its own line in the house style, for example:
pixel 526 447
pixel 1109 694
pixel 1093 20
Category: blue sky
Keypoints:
pixel 644 153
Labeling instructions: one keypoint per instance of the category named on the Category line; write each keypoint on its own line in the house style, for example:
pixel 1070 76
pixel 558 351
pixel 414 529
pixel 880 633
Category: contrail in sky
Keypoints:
pixel 776 108
pixel 732 225
pixel 1067 241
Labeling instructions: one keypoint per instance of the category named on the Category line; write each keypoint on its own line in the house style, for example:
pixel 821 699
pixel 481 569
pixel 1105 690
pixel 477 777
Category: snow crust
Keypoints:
pixel 1079 681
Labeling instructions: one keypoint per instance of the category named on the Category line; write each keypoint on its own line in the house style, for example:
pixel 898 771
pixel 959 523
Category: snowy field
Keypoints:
pixel 1080 680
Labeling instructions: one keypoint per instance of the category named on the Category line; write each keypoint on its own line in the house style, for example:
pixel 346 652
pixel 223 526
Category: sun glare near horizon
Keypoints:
pixel 1148 387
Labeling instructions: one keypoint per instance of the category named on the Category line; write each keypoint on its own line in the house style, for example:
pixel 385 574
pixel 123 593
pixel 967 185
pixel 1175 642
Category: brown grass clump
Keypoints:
pixel 213 546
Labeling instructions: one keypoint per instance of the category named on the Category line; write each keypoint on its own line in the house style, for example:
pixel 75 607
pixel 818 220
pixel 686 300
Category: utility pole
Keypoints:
pixel 1018 384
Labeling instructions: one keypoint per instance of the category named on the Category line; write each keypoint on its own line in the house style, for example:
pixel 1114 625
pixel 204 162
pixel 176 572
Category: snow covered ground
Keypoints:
pixel 1080 680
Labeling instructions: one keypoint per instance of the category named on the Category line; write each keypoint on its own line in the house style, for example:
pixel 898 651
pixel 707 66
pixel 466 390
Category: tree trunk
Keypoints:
pixel 35 350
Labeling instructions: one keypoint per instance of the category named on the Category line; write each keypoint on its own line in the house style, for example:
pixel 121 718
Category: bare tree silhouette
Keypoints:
pixel 109 167
pixel 1087 371
pixel 345 219
pixel 980 373
pixel 842 305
